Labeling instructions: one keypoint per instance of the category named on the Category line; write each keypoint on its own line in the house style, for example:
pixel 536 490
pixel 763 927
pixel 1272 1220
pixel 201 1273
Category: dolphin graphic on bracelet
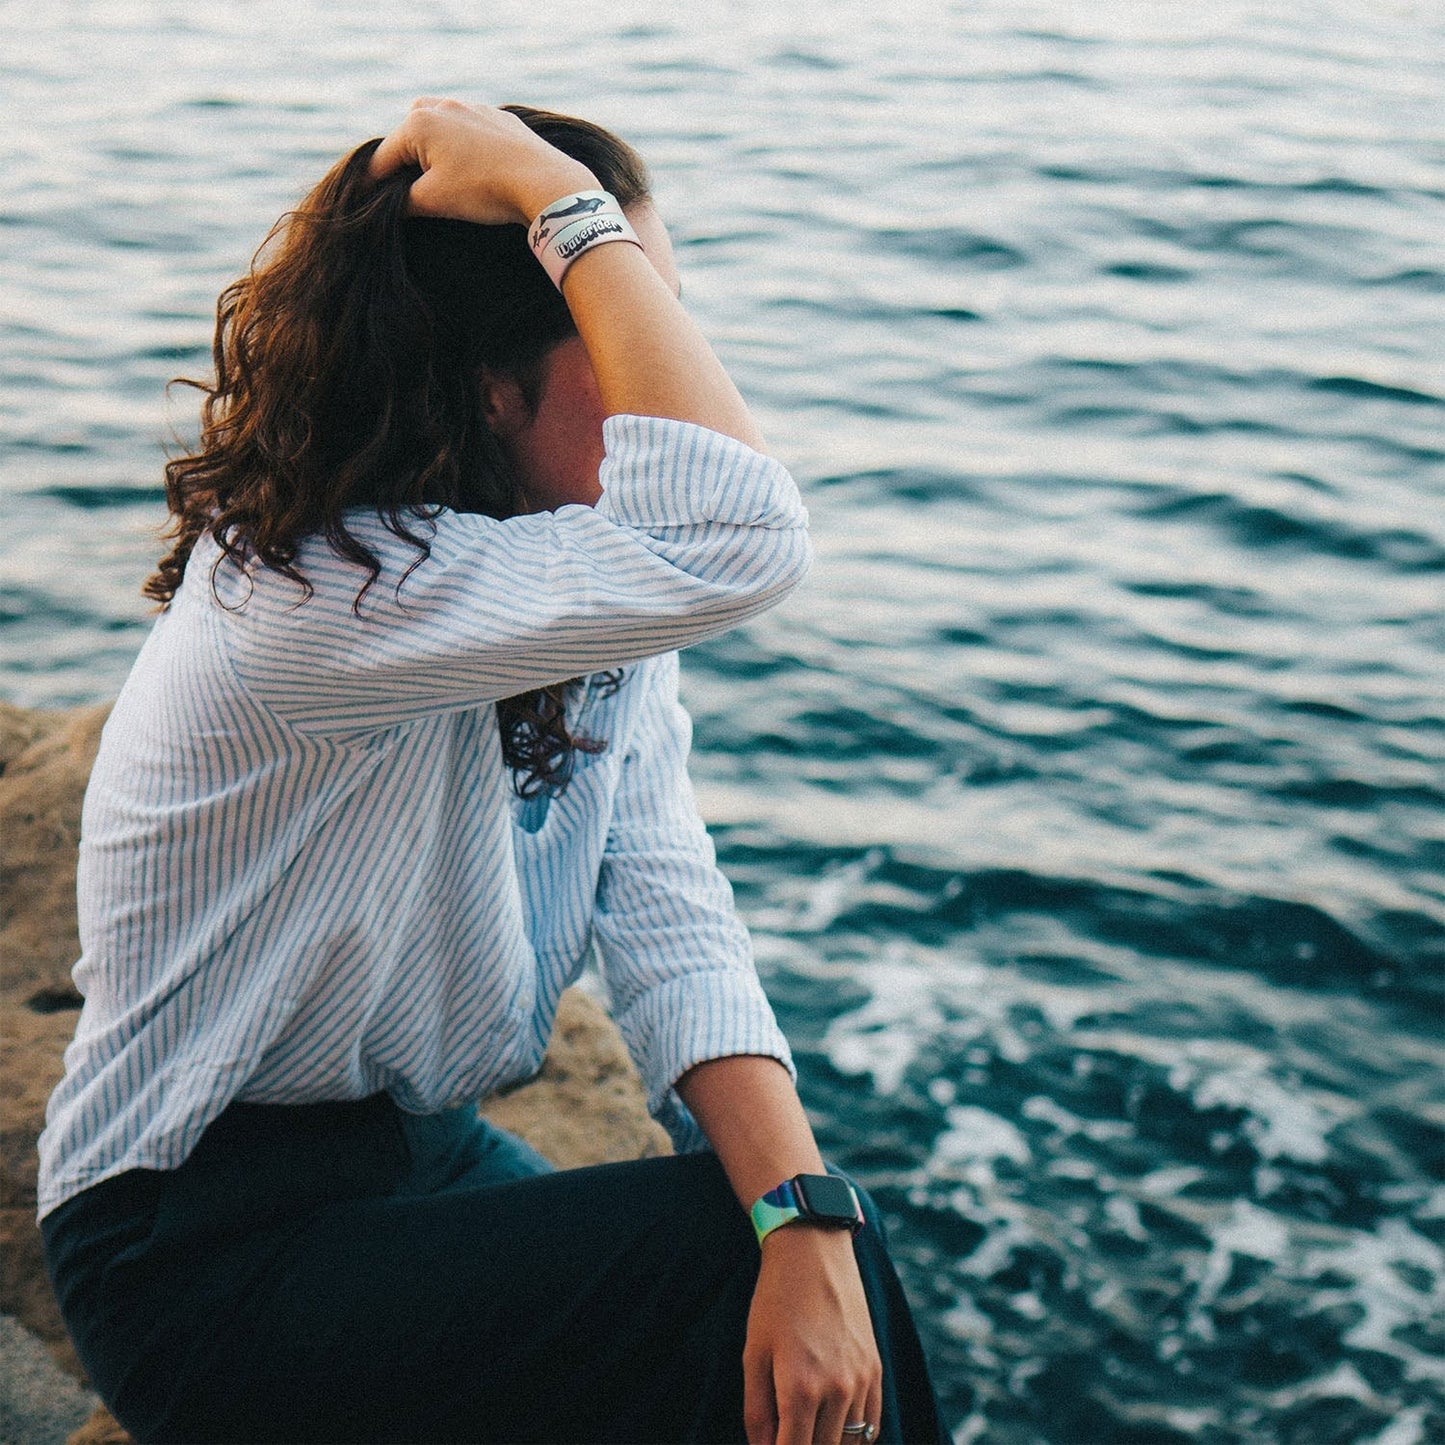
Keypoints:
pixel 583 207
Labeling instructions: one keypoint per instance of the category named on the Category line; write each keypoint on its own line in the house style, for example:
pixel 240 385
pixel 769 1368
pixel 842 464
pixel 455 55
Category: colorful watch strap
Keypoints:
pixel 784 1204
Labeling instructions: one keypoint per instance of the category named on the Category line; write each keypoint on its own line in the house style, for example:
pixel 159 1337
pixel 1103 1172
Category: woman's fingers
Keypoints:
pixel 478 163
pixel 760 1411
pixel 809 1408
pixel 832 1416
pixel 866 1409
pixel 434 131
pixel 398 148
pixel 798 1418
pixel 873 1408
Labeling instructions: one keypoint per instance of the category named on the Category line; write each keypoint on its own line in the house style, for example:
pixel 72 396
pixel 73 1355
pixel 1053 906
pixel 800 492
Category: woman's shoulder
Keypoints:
pixel 319 573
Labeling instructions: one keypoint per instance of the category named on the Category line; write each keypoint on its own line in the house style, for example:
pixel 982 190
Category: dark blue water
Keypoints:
pixel 1087 804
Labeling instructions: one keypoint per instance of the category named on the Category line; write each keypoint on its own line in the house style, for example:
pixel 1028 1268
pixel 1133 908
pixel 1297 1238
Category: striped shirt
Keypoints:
pixel 304 874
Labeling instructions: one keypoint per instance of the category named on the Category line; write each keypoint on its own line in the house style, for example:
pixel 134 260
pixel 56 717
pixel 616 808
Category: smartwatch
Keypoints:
pixel 813 1198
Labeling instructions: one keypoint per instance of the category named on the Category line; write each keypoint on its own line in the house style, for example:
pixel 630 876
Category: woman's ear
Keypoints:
pixel 504 408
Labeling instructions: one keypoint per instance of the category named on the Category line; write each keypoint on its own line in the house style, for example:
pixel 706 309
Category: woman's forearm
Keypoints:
pixel 647 352
pixel 811 1363
pixel 749 1110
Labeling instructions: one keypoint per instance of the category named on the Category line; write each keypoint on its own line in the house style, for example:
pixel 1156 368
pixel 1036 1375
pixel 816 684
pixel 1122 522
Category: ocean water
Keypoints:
pixel 1087 803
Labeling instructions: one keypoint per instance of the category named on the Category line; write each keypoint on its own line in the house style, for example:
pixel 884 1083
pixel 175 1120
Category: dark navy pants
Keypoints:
pixel 349 1272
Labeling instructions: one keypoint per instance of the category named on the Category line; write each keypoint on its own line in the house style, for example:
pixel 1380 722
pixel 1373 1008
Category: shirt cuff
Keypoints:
pixel 659 473
pixel 692 1019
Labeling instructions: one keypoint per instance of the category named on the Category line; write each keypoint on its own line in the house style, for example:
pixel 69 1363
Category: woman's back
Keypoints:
pixel 297 878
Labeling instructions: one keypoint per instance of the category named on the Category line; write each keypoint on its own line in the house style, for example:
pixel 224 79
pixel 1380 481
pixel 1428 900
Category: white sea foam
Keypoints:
pixel 1284 1119
pixel 965 1321
pixel 974 1428
pixel 1160 1183
pixel 1407 1428
pixel 834 892
pixel 1283 1123
pixel 1399 1281
pixel 1434 1206
pixel 1248 1231
pixel 1123 1214
pixel 883 1037
pixel 1043 1109
pixel 974 1135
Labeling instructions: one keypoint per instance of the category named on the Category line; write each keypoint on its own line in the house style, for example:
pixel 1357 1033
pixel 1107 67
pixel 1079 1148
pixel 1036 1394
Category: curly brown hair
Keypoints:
pixel 348 372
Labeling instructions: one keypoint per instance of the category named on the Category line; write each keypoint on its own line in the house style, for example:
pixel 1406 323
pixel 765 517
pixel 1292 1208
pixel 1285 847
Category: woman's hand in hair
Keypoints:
pixel 478 163
pixel 648 357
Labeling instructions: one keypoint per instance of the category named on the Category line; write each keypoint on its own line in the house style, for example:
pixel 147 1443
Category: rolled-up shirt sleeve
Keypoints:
pixel 694 533
pixel 677 960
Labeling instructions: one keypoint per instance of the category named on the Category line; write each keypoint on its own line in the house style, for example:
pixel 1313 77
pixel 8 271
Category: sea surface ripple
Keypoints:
pixel 1087 803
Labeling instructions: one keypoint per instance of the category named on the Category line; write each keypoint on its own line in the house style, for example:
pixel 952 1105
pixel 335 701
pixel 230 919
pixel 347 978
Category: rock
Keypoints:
pixel 101 1429
pixel 586 1106
pixel 45 759
pixel 40 794
pixel 25 1287
pixel 31 1049
pixel 39 1404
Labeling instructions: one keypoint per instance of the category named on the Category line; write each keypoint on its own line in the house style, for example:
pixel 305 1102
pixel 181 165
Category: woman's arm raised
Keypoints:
pixel 485 165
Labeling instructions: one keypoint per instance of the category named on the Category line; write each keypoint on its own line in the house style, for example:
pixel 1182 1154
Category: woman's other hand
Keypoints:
pixel 810 1361
pixel 478 163
pixel 810 1365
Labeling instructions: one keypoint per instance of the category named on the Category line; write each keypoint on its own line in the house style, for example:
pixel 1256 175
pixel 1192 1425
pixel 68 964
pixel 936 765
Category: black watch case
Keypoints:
pixel 825 1199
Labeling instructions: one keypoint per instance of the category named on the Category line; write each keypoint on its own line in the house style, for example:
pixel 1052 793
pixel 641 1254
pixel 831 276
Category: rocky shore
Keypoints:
pixel 585 1107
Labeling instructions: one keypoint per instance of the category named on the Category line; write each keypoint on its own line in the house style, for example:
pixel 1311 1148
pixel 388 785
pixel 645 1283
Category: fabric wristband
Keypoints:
pixel 783 1205
pixel 574 224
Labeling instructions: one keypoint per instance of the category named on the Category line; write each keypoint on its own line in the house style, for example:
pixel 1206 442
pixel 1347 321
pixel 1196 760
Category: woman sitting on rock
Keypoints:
pixel 404 740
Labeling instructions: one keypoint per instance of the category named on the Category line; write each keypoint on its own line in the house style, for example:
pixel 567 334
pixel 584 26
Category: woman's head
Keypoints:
pixel 352 361
pixel 357 364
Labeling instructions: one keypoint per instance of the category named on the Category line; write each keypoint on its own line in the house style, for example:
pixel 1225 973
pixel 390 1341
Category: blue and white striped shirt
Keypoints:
pixel 303 873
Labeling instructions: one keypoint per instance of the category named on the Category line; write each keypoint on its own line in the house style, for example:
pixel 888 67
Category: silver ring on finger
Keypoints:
pixel 863 1428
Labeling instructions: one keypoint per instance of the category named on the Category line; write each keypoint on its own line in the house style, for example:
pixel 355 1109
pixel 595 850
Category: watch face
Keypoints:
pixel 827 1197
